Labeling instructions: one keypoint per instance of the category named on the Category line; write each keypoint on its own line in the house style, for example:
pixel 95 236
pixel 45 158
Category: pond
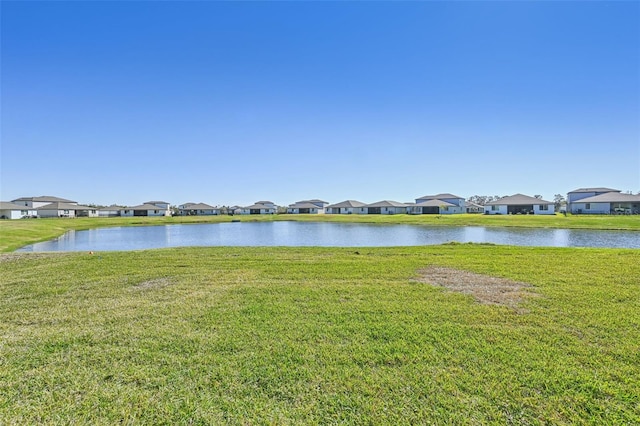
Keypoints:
pixel 325 235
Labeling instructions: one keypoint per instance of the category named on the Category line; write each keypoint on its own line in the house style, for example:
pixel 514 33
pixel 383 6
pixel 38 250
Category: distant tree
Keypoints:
pixel 559 201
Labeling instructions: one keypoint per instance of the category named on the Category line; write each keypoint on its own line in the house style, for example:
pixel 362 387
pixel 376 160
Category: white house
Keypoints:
pixel 43 200
pixel 197 209
pixel 307 207
pixel 14 211
pixel 260 207
pixel 152 208
pixel 440 204
pixel 386 207
pixel 347 207
pixel 519 204
pixel 607 203
pixel 59 209
pixel 581 193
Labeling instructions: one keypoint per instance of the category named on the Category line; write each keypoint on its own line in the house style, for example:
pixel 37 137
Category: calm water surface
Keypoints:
pixel 324 234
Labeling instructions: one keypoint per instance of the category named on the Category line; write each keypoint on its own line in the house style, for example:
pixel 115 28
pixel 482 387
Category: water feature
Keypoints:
pixel 325 234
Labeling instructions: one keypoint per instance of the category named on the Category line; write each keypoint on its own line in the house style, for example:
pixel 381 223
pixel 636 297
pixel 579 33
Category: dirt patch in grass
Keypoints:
pixel 154 284
pixel 484 288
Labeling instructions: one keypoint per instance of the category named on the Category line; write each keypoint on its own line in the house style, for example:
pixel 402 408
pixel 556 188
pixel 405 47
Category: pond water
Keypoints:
pixel 326 235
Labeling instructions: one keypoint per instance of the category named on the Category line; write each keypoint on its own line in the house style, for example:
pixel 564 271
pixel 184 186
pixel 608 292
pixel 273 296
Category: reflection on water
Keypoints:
pixel 326 235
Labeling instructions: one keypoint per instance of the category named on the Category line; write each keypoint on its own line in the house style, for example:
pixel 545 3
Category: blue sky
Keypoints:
pixel 234 102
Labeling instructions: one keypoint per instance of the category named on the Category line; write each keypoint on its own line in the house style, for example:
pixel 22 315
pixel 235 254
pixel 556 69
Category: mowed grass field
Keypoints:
pixel 318 336
pixel 17 233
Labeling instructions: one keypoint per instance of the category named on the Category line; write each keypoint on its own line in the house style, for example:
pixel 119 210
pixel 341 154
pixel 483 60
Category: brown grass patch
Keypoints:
pixel 484 288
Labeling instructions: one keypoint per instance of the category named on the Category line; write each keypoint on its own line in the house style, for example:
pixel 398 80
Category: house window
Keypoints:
pixel 587 206
pixel 155 212
pixel 24 212
pixel 66 212
pixel 544 207
pixel 494 208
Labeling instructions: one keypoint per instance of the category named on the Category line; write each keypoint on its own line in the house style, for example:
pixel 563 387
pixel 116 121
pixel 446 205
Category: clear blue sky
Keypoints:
pixel 234 102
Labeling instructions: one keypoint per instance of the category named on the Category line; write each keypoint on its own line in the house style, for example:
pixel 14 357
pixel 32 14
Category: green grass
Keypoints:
pixel 17 233
pixel 317 335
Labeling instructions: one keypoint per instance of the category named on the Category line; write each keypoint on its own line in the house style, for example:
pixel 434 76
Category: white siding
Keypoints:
pixel 594 208
pixel 16 214
pixel 538 209
pixel 495 209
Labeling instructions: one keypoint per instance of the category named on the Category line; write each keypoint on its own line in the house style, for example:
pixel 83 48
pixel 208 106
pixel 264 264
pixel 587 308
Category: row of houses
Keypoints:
pixel 579 201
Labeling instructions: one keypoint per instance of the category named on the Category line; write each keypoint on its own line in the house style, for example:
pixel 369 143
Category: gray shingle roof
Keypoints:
pixel 434 203
pixel 45 199
pixel 445 195
pixel 593 190
pixel 64 206
pixel 156 202
pixel 517 200
pixel 386 203
pixel 346 204
pixel 144 206
pixel 198 206
pixel 259 206
pixel 303 205
pixel 5 205
pixel 610 197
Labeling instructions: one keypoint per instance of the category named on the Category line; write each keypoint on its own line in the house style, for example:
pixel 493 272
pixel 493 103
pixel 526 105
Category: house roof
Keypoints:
pixel 347 204
pixel 64 206
pixel 45 199
pixel 198 206
pixel 611 197
pixel 258 206
pixel 145 206
pixel 315 200
pixel 303 205
pixel 518 200
pixel 593 190
pixel 5 205
pixel 470 204
pixel 434 203
pixel 264 202
pixel 156 202
pixel 439 197
pixel 386 203
pixel 111 208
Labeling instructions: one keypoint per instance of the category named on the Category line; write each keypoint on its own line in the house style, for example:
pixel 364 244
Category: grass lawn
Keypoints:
pixel 17 233
pixel 317 335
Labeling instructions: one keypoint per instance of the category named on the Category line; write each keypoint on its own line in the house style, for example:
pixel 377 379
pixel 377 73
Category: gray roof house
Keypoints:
pixel 347 207
pixel 444 203
pixel 473 207
pixel 147 209
pixel 60 209
pixel 435 206
pixel 607 203
pixel 519 204
pixel 197 209
pixel 40 201
pixel 109 211
pixel 259 208
pixel 581 193
pixel 15 211
pixel 387 207
pixel 307 207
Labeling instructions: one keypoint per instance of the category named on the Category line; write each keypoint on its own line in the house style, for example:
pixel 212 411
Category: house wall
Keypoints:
pixel 594 208
pixel 537 209
pixel 347 210
pixel 495 209
pixel 126 212
pixel 16 214
pixel 108 213
pixel 56 213
pixel 159 212
pixel 393 210
pixel 452 210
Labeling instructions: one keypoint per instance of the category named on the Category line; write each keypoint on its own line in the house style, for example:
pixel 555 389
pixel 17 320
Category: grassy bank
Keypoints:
pixel 17 233
pixel 315 335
